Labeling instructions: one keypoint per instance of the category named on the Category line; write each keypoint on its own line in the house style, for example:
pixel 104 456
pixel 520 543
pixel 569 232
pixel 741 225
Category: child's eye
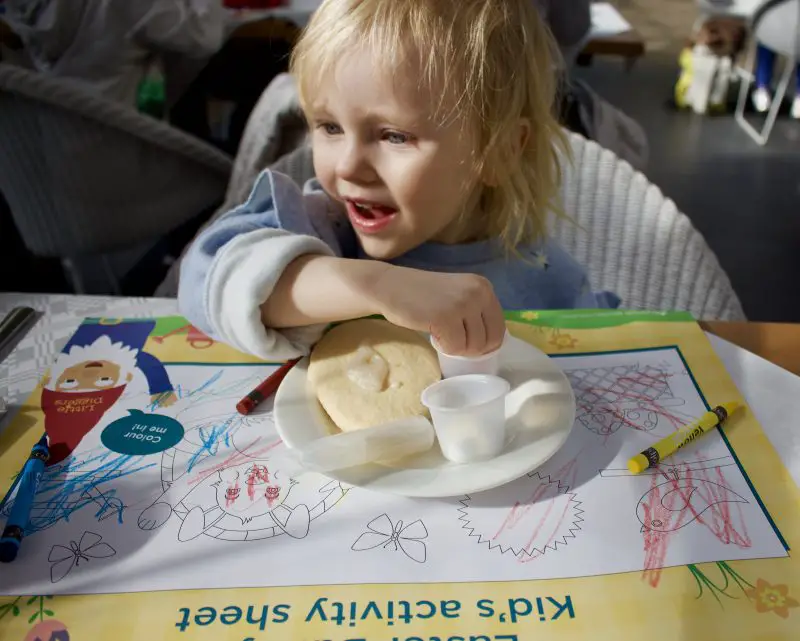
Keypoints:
pixel 330 128
pixel 397 138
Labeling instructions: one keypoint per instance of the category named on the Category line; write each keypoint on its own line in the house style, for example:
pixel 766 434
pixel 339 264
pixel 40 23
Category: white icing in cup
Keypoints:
pixel 469 416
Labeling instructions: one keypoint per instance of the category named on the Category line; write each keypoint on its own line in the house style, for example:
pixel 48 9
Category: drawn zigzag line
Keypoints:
pixel 573 528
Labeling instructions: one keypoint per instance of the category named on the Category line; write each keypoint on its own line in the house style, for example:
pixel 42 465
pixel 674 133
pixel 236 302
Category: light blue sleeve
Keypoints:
pixel 233 265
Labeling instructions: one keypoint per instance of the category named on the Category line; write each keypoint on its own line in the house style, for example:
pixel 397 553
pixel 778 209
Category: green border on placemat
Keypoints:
pixel 582 318
pixel 595 318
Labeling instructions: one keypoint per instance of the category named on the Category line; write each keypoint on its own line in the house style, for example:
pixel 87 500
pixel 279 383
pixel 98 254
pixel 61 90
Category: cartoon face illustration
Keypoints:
pixel 252 489
pixel 89 375
pixel 96 366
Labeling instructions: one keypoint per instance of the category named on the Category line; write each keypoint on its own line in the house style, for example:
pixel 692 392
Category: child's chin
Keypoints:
pixel 381 249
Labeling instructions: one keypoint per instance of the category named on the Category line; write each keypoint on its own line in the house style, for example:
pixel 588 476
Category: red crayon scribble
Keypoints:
pixel 520 510
pixel 256 475
pixel 232 493
pixel 545 526
pixel 719 518
pixel 655 541
pixel 272 493
pixel 623 393
pixel 237 458
pixel 705 499
pixel 568 472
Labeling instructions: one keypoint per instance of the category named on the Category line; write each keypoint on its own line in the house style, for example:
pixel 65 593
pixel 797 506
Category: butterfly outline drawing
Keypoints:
pixel 64 558
pixel 382 532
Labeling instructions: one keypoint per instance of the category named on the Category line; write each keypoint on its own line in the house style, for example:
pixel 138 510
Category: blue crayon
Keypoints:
pixel 21 510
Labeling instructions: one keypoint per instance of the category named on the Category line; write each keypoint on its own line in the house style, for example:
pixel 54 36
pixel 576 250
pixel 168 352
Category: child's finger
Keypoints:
pixel 495 323
pixel 451 337
pixel 475 339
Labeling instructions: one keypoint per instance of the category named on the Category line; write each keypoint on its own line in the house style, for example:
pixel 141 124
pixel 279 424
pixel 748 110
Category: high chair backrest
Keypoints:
pixel 635 241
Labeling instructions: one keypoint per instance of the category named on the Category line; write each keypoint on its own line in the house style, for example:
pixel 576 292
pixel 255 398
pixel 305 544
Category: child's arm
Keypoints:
pixel 460 310
pixel 269 276
pixel 232 266
pixel 322 289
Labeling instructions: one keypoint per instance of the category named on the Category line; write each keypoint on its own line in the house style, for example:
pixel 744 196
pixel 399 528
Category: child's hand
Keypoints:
pixel 460 311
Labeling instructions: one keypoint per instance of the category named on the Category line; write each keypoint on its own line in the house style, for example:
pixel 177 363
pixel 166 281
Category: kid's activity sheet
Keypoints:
pixel 167 487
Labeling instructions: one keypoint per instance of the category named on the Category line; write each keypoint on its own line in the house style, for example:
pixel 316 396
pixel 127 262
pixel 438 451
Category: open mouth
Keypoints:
pixel 369 217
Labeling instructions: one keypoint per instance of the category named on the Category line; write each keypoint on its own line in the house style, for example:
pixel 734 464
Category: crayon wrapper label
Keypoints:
pixel 652 456
pixel 696 433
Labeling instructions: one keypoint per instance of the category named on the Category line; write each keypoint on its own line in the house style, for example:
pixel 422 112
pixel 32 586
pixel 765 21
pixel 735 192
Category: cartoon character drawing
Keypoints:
pixel 91 374
pixel 228 481
pixel 254 496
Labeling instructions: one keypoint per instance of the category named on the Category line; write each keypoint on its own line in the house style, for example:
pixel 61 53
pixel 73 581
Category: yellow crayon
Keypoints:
pixel 685 435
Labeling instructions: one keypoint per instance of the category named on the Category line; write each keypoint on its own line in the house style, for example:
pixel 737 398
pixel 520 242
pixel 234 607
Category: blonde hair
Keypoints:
pixel 497 62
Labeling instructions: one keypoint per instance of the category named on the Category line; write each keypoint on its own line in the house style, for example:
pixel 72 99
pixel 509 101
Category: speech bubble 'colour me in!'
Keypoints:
pixel 141 434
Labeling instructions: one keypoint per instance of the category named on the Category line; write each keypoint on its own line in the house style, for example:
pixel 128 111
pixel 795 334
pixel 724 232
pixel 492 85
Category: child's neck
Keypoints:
pixel 467 229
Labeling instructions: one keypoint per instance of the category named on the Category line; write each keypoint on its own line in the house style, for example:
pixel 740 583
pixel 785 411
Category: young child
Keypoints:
pixel 436 153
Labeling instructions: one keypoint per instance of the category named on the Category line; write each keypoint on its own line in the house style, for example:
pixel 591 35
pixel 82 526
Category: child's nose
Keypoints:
pixel 353 164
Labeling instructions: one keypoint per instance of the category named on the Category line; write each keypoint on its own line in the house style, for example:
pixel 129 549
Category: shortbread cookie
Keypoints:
pixel 368 372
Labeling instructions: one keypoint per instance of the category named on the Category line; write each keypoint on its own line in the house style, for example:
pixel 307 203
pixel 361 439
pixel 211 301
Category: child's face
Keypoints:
pixel 402 177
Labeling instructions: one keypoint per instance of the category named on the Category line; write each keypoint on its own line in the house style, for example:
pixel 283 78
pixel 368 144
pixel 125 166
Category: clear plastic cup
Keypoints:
pixel 469 416
pixel 488 364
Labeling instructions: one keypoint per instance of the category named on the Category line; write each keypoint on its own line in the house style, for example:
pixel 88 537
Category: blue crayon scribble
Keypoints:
pixel 210 437
pixel 71 486
pixel 214 378
pixel 86 482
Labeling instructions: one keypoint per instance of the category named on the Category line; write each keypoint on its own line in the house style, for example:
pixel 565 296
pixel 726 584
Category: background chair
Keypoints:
pixel 84 176
pixel 776 25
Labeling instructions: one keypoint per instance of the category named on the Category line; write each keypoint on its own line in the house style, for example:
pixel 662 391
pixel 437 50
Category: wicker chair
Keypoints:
pixel 85 176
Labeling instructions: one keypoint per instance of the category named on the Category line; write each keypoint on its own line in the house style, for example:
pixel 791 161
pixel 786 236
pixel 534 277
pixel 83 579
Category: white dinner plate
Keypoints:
pixel 540 410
